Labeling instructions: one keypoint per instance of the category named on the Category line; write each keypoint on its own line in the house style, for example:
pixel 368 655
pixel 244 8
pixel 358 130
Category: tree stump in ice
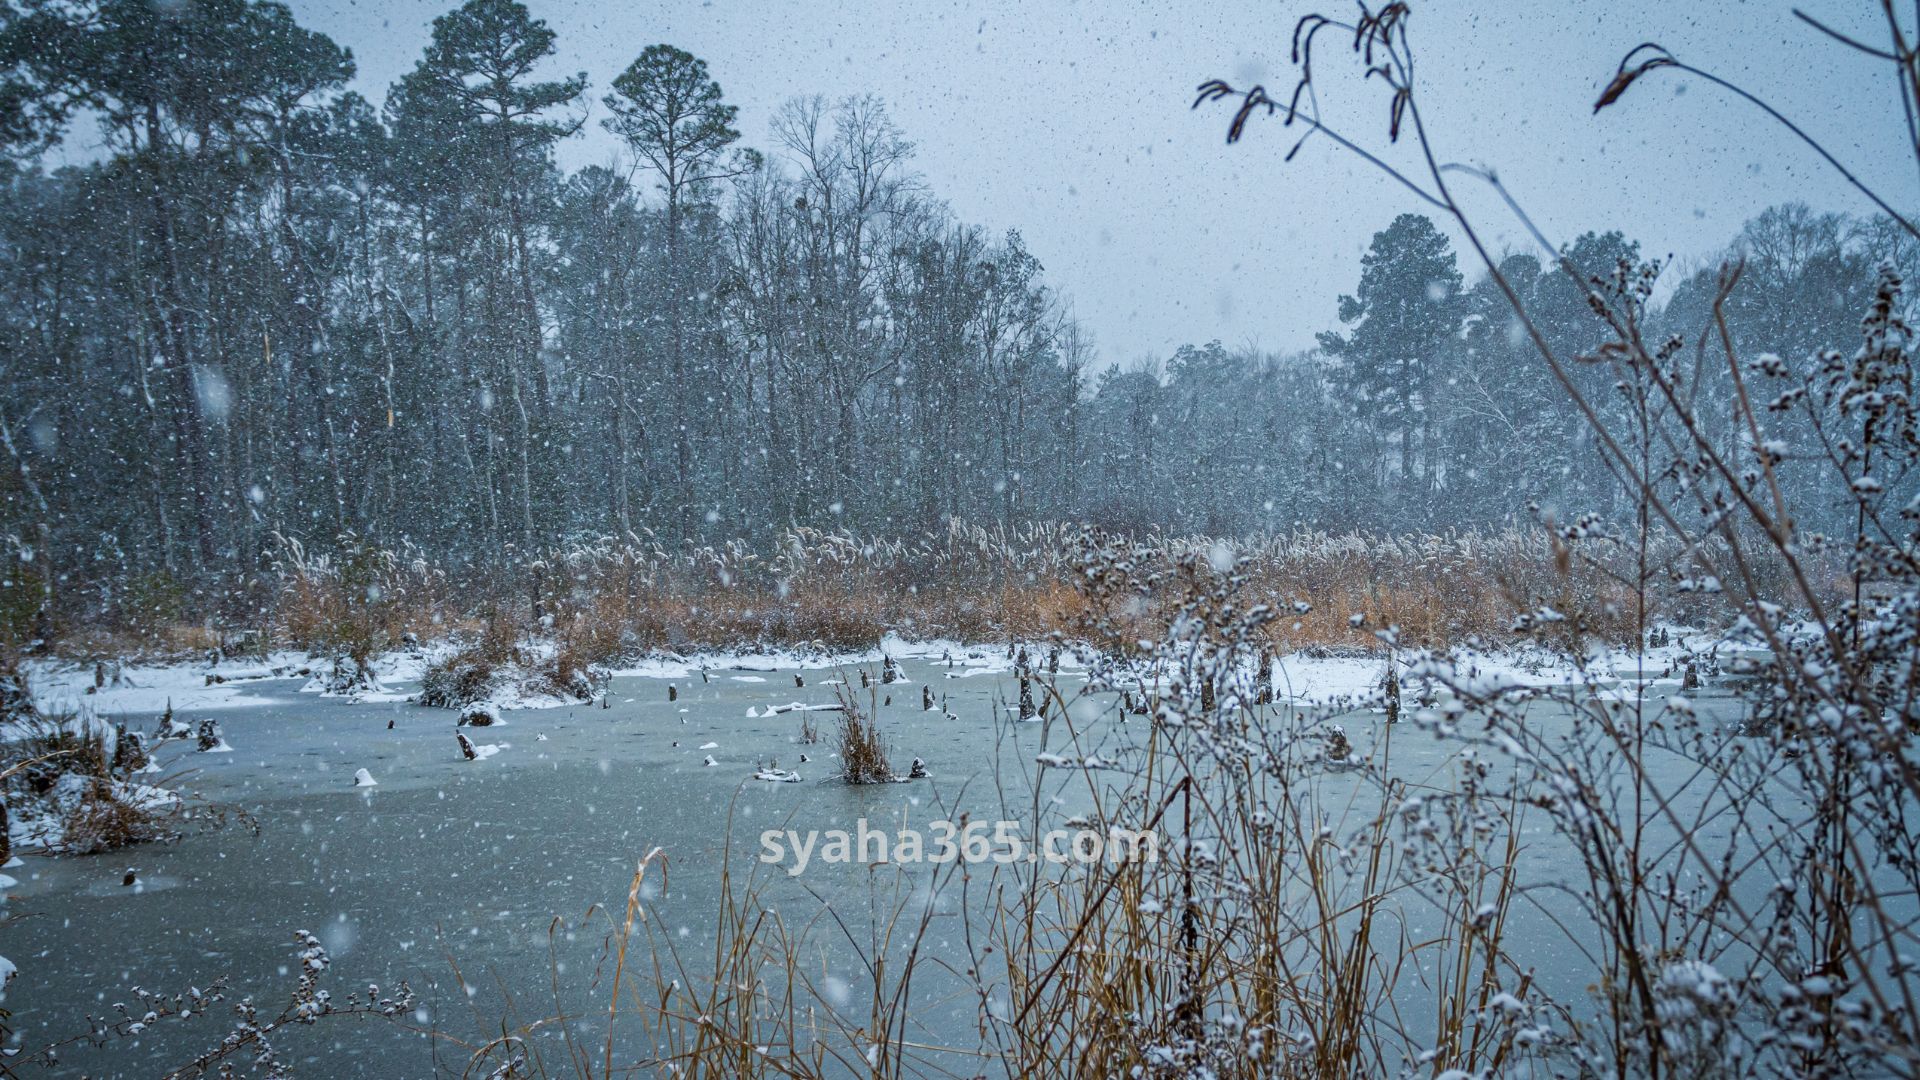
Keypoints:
pixel 466 746
pixel 209 736
pixel 129 751
pixel 171 727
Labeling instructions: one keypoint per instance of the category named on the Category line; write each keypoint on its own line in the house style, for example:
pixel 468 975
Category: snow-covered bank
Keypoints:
pixel 1311 677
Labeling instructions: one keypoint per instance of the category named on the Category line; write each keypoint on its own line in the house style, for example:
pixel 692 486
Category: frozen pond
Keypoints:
pixel 469 862
pixel 447 862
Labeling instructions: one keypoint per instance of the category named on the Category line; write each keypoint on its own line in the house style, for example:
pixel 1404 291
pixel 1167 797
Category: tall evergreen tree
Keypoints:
pixel 673 116
pixel 1404 316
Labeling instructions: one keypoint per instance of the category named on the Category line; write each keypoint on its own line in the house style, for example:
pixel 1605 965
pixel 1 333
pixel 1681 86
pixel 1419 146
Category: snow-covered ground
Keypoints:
pixel 61 687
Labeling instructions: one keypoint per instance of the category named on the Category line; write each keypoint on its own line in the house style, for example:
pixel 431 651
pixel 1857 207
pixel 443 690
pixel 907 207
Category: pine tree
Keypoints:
pixel 673 116
pixel 1404 315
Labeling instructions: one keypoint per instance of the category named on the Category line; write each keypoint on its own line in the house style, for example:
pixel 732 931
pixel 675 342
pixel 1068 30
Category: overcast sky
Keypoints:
pixel 1071 122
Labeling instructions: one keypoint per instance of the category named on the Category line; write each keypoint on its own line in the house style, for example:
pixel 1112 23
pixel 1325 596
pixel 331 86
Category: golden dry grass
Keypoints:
pixel 807 589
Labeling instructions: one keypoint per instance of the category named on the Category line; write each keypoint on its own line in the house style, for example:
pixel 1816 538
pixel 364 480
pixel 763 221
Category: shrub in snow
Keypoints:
pixel 478 714
pixel 84 815
pixel 350 677
pixel 490 672
pixel 65 783
pixel 459 680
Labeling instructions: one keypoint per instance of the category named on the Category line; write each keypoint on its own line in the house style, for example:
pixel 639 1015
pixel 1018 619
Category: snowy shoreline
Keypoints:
pixel 1311 676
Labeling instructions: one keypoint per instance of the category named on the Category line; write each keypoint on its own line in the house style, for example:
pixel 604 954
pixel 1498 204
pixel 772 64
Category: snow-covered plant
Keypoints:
pixel 248 1048
pixel 1257 944
pixel 1753 883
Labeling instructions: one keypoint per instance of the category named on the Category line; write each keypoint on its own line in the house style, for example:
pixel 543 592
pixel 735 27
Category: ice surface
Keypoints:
pixel 444 859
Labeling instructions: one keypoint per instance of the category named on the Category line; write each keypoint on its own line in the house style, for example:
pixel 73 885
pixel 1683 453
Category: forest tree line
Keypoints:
pixel 272 307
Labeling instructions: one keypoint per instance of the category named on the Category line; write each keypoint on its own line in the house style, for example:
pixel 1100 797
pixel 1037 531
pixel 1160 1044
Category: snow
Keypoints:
pixel 1330 680
pixel 363 778
pixel 41 823
pixel 672 665
pixel 62 687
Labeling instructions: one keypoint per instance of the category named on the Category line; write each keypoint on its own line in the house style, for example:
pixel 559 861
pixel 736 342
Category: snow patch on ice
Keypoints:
pixel 61 686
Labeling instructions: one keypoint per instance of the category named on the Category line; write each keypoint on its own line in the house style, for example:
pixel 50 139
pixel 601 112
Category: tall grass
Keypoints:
pixel 863 749
pixel 609 597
